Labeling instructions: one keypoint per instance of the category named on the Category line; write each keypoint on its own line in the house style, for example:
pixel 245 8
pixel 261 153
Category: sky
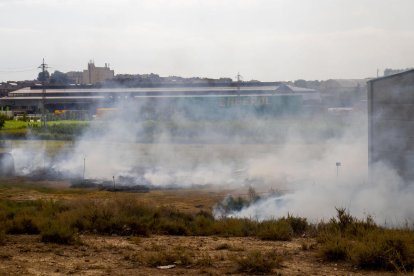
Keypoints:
pixel 267 40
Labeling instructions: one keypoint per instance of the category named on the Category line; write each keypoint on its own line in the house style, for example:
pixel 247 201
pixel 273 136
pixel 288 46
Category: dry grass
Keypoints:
pixel 256 262
pixel 65 215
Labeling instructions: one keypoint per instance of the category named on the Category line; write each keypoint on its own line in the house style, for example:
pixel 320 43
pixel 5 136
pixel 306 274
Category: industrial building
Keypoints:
pixel 92 75
pixel 203 102
pixel 391 122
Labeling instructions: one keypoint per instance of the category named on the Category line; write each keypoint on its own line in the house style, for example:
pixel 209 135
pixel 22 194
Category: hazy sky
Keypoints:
pixel 262 39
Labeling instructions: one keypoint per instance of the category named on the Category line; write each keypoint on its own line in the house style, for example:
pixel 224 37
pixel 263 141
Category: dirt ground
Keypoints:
pixel 104 255
pixel 114 255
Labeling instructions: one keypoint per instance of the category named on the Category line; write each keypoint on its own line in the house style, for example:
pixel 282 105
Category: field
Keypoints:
pixel 180 236
pixel 49 228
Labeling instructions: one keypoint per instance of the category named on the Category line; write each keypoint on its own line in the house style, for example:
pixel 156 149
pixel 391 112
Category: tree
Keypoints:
pixel 3 119
pixel 43 77
pixel 58 77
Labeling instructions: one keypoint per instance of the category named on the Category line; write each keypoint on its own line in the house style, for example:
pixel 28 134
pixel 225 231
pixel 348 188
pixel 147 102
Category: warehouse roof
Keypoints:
pixel 164 91
pixel 397 75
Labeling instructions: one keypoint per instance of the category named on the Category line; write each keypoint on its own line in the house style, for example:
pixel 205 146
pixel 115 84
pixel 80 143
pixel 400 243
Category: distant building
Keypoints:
pixel 223 102
pixel 389 71
pixel 391 122
pixel 309 96
pixel 343 92
pixel 95 74
pixel 75 77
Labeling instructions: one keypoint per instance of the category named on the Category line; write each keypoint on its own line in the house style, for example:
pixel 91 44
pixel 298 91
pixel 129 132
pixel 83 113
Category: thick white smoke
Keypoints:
pixel 314 185
pixel 299 163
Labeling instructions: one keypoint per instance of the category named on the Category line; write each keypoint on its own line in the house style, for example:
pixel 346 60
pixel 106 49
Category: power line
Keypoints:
pixel 18 70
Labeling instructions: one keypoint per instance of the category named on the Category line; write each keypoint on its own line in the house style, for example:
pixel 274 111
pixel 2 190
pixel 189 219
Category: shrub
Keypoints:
pixel 3 119
pixel 58 232
pixel 365 244
pixel 299 225
pixel 232 227
pixel 279 230
pixel 23 224
pixel 385 250
pixel 3 236
pixel 258 262
pixel 203 225
pixel 173 227
pixel 334 249
pixel 350 226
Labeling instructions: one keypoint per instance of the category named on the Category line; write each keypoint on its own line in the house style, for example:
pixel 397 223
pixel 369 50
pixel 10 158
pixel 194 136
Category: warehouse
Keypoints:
pixel 196 102
pixel 391 122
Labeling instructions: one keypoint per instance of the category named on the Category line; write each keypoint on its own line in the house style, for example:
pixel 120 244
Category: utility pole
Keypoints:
pixel 43 66
pixel 338 164
pixel 84 167
pixel 239 78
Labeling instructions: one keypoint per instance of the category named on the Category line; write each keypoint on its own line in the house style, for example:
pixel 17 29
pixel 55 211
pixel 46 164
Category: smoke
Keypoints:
pixel 313 185
pixel 296 155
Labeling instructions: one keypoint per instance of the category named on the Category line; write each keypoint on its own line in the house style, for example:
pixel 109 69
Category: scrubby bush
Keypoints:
pixel 3 236
pixel 299 225
pixel 3 119
pixel 58 232
pixel 256 262
pixel 233 227
pixel 278 230
pixel 334 249
pixel 365 244
pixel 385 250
pixel 23 224
pixel 360 242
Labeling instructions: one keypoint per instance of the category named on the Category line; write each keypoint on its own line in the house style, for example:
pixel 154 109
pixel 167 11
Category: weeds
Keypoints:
pixel 365 244
pixel 343 238
pixel 226 246
pixel 60 233
pixel 258 263
pixel 334 249
pixel 204 261
pixel 223 246
pixel 279 230
pixel 3 236
pixel 178 257
pixel 385 250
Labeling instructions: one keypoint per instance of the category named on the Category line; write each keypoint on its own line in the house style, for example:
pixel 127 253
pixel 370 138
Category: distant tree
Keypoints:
pixel 43 77
pixel 58 77
pixel 3 119
pixel 301 83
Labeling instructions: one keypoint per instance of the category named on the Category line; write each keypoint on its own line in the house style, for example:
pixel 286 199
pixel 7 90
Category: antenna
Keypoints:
pixel 43 66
